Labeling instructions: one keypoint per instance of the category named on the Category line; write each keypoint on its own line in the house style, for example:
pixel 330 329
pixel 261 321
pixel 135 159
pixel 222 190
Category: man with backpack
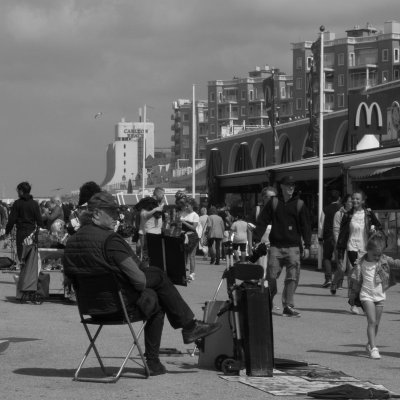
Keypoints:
pixel 290 226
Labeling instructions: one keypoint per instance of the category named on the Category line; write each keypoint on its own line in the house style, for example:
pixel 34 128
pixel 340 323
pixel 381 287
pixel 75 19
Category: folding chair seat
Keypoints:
pixel 92 292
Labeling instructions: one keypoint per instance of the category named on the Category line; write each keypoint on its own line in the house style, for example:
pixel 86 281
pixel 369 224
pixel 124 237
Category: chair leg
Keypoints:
pixel 91 346
pixel 114 378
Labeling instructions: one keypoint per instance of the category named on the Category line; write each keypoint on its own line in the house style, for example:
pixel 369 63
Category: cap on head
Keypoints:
pixel 288 180
pixel 102 200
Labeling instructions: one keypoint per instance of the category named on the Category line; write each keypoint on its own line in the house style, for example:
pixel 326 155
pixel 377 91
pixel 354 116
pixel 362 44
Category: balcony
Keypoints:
pixel 362 83
pixel 228 100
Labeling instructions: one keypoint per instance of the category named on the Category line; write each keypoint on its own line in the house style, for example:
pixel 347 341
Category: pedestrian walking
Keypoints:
pixel 342 264
pixel 190 220
pixel 25 215
pixel 290 224
pixel 328 240
pixel 356 227
pixel 202 232
pixel 371 276
pixel 238 232
pixel 216 228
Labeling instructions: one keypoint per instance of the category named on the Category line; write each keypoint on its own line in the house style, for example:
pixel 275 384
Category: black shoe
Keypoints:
pixel 216 263
pixel 212 261
pixel 333 288
pixel 327 283
pixel 200 330
pixel 155 367
pixel 290 312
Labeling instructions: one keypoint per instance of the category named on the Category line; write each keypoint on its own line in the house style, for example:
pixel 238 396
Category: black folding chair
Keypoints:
pixel 91 293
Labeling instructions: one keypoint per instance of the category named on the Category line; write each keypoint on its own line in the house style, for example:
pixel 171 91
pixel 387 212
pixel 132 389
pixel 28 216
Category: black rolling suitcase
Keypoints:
pixel 255 311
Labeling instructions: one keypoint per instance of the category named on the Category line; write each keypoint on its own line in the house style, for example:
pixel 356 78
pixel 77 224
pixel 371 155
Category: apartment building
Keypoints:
pixel 364 58
pixel 183 131
pixel 241 101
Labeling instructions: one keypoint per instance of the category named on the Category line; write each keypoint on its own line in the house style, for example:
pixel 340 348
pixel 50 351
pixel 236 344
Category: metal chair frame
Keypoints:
pixel 126 320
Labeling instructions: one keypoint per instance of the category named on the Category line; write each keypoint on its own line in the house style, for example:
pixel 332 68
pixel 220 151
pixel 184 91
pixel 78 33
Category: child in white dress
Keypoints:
pixel 371 276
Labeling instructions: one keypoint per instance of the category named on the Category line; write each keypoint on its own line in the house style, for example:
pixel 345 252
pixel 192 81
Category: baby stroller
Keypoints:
pixel 250 319
pixel 32 284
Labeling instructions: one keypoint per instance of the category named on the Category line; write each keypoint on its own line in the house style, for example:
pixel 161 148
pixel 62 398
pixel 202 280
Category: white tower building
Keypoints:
pixel 125 154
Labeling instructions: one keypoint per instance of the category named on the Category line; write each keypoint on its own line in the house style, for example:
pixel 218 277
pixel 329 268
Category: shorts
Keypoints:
pixel 241 246
pixel 379 303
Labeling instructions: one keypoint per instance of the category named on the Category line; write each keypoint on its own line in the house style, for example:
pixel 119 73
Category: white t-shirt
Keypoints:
pixel 358 236
pixel 370 291
pixel 191 217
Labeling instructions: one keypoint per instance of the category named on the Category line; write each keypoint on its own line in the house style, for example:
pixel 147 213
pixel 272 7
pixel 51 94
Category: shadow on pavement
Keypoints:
pixel 18 340
pixel 69 373
pixel 327 310
pixel 356 353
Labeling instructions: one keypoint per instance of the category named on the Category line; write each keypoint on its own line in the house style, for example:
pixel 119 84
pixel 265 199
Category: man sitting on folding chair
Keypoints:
pixel 95 248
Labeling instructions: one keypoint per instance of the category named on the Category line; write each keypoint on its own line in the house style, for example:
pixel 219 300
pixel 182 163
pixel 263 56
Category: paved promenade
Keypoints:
pixel 47 341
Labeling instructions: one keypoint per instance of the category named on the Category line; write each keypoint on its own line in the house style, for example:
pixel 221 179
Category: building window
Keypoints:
pixel 186 117
pixel 124 170
pixel 385 76
pixel 396 74
pixel 251 95
pixel 124 154
pixel 243 111
pixel 124 162
pixel 299 83
pixel 212 97
pixel 352 60
pixel 243 95
pixel 299 63
pixel 340 100
pixel 299 104
pixel 341 80
pixel 385 55
pixel 283 92
pixel 396 55
pixel 124 146
pixel 341 59
pixel 309 62
pixel 220 97
pixel 212 113
pixel 212 128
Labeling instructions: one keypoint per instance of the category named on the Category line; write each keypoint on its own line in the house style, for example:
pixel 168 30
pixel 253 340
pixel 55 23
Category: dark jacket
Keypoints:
pixel 85 254
pixel 25 215
pixel 289 224
pixel 344 233
pixel 329 212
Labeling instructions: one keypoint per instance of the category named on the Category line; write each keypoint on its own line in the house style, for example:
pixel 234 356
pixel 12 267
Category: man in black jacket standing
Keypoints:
pixel 25 215
pixel 290 225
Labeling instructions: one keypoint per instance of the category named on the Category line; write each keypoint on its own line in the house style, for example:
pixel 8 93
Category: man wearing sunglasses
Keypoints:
pixel 290 226
pixel 95 247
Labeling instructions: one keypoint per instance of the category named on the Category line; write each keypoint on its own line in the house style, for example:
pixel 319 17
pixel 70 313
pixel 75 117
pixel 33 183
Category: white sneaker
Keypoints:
pixel 355 310
pixel 374 353
pixel 192 276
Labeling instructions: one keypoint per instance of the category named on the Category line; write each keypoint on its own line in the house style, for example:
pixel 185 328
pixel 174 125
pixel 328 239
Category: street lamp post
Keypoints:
pixel 144 151
pixel 321 144
pixel 194 143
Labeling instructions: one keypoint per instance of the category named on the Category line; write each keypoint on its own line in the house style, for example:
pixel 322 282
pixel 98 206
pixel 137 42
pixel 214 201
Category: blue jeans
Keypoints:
pixel 280 257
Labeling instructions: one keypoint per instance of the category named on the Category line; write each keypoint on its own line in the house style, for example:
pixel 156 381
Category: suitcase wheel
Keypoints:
pixel 230 367
pixel 219 360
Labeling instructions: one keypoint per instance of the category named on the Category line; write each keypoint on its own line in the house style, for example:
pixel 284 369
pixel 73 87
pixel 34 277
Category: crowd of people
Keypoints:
pixel 352 238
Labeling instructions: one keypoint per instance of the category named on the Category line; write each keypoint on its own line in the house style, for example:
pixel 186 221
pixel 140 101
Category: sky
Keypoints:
pixel 64 61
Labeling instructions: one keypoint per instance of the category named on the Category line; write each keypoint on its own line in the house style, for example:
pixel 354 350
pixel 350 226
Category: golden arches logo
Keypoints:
pixel 368 113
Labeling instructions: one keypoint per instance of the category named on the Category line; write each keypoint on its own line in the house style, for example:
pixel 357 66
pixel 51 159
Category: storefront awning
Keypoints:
pixel 307 169
pixel 374 168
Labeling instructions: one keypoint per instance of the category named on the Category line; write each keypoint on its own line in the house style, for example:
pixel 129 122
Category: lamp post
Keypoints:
pixel 144 150
pixel 321 143
pixel 194 143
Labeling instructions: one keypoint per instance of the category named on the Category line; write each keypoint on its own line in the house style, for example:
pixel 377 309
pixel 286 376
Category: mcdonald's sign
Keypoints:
pixel 368 112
